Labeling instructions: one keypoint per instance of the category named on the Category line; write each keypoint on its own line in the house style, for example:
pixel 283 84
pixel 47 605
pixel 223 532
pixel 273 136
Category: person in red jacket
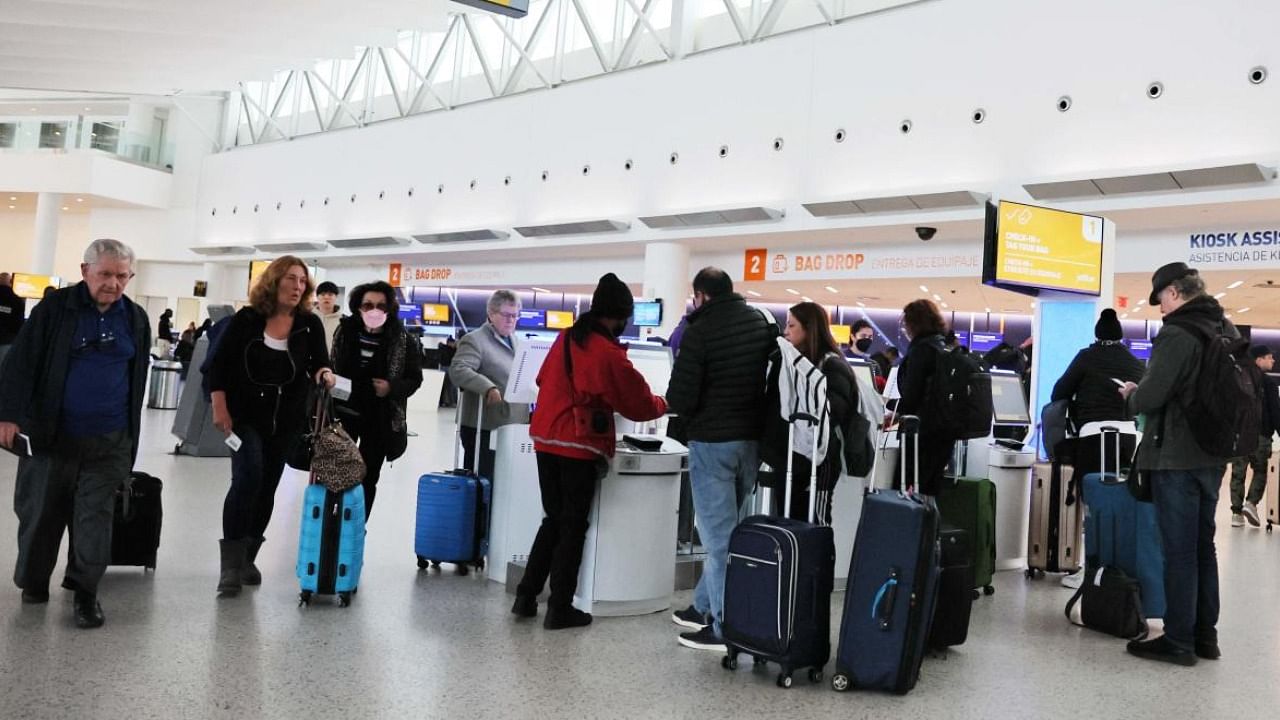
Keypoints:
pixel 585 379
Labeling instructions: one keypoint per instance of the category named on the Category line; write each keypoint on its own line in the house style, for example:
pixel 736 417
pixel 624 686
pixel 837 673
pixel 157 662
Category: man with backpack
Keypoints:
pixel 1197 402
pixel 1246 507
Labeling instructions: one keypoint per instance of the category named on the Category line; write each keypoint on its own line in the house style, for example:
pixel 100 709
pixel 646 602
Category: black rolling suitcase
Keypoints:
pixel 777 590
pixel 955 590
pixel 135 529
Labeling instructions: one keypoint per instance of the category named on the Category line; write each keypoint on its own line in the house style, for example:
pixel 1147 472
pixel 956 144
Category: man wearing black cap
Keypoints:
pixel 1184 477
pixel 1247 509
pixel 328 310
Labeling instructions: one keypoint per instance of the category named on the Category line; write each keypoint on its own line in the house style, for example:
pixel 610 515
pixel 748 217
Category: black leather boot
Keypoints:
pixel 249 574
pixel 88 611
pixel 232 552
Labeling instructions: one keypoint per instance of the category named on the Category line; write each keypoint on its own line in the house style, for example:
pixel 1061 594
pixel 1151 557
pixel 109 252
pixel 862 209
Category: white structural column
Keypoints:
pixel 667 278
pixel 45 240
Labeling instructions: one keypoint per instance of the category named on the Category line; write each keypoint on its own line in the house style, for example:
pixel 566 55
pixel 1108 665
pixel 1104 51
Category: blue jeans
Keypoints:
pixel 1185 503
pixel 723 476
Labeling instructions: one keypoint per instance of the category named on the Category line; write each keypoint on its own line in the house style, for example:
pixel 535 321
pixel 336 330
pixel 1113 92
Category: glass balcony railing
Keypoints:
pixel 84 133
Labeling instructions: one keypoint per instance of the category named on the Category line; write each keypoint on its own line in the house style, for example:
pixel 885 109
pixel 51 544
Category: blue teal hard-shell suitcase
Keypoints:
pixel 1121 532
pixel 453 512
pixel 893 586
pixel 331 544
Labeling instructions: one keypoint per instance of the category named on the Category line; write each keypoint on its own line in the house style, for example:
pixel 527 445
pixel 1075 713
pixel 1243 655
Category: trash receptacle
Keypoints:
pixel 162 392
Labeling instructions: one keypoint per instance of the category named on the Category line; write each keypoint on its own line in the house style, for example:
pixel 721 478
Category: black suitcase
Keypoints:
pixel 955 590
pixel 135 530
pixel 777 591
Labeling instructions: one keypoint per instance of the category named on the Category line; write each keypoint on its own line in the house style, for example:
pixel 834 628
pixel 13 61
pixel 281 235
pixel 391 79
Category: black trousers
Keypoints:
pixel 568 488
pixel 373 450
pixel 487 456
pixel 255 474
pixel 828 475
pixel 72 490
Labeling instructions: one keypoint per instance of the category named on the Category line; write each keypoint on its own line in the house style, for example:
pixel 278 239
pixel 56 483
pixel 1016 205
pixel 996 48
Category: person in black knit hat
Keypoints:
pixel 1088 381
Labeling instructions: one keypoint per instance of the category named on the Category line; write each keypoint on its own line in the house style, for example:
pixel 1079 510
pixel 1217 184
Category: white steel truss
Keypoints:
pixel 479 56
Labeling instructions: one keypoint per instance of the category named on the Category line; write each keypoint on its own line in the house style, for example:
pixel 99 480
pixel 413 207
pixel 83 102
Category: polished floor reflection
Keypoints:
pixel 422 645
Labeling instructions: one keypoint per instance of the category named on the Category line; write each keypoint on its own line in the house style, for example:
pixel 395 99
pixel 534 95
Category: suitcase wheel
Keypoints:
pixel 1269 526
pixel 976 593
pixel 423 563
pixel 840 682
pixel 988 590
pixel 304 598
pixel 784 680
pixel 758 661
pixel 815 675
pixel 730 661
pixel 344 599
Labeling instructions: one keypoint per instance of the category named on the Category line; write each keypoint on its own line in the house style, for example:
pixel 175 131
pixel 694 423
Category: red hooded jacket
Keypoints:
pixel 603 379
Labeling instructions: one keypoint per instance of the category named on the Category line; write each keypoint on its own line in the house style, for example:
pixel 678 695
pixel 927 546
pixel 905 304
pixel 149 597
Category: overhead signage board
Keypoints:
pixel 1037 247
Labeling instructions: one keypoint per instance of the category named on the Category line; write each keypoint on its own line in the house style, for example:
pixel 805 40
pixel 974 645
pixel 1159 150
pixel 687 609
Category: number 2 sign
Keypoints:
pixel 755 264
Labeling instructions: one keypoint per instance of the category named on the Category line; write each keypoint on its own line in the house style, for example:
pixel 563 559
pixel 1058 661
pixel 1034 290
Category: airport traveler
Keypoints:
pixel 584 381
pixel 384 363
pixel 266 358
pixel 864 336
pixel 328 310
pixel 448 392
pixel 924 326
pixel 13 310
pixel 164 333
pixel 480 369
pixel 1184 477
pixel 809 332
pixel 718 387
pixel 886 359
pixel 1246 507
pixel 73 385
pixel 1089 381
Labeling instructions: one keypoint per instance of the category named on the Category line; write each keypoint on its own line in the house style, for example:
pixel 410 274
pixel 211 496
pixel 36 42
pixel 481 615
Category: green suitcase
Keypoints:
pixel 970 505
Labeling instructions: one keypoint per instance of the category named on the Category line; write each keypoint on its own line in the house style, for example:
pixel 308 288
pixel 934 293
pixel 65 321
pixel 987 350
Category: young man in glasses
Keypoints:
pixel 73 385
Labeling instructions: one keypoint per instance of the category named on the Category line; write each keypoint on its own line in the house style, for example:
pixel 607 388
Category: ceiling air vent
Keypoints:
pixel 735 216
pixel 370 242
pixel 462 236
pixel 1194 179
pixel 222 250
pixel 952 200
pixel 588 227
pixel 292 247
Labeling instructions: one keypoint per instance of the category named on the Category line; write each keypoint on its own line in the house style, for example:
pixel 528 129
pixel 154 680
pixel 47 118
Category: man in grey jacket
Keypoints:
pixel 480 369
pixel 1185 478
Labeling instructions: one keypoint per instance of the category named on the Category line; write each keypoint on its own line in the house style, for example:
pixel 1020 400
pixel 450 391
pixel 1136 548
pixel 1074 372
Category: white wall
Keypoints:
pixel 17 231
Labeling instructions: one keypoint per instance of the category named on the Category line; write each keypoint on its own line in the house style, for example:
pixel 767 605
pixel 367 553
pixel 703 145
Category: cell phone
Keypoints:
pixel 233 442
pixel 1119 382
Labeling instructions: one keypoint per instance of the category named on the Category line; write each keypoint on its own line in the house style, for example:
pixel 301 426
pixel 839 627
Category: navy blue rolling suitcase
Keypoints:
pixel 453 512
pixel 893 585
pixel 1121 532
pixel 777 592
pixel 331 543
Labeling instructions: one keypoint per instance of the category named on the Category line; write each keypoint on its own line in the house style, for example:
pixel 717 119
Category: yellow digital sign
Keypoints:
pixel 841 333
pixel 256 268
pixel 559 319
pixel 1051 249
pixel 32 286
pixel 435 314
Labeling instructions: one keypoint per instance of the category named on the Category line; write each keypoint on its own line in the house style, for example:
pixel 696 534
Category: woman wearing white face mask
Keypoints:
pixel 384 363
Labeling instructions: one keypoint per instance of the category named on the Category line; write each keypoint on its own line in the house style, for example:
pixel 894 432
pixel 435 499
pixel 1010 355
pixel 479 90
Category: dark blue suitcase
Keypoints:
pixel 453 510
pixel 893 586
pixel 331 543
pixel 777 591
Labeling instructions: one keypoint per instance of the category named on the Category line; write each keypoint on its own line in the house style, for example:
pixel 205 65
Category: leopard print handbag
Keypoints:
pixel 335 458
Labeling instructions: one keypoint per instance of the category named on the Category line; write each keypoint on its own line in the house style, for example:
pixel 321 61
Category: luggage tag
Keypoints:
pixel 233 442
pixel 341 388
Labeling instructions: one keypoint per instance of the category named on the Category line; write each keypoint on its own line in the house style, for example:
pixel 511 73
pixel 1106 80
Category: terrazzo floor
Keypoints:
pixel 430 645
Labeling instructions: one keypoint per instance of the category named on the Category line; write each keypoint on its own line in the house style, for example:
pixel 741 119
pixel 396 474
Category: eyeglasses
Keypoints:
pixel 508 316
pixel 366 307
pixel 102 342
pixel 104 276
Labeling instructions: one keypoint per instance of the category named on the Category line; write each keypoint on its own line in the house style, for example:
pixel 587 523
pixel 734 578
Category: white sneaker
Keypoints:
pixel 1074 580
pixel 1237 520
pixel 1250 512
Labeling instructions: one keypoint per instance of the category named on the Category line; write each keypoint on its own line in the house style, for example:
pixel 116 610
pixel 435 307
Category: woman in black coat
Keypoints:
pixel 923 323
pixel 384 363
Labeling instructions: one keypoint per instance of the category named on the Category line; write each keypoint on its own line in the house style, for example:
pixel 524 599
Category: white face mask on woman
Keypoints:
pixel 373 319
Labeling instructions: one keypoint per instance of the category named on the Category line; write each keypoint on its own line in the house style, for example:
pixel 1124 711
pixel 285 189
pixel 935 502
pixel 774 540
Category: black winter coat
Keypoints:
pixel 385 415
pixel 1088 382
pixel 718 382
pixel 915 383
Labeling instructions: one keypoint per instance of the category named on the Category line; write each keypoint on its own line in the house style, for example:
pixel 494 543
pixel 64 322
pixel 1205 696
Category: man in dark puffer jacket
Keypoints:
pixel 718 388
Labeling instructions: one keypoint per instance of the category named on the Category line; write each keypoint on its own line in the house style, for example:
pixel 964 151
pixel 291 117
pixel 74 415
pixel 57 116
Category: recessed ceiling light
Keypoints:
pixel 1228 316
pixel 33 109
pixel 988 309
pixel 1219 296
pixel 1124 316
pixel 88 109
pixel 924 289
pixel 806 298
pixel 1244 310
pixel 937 298
pixel 831 289
pixel 945 305
pixel 861 304
pixel 1235 285
pixel 13 207
pixel 1142 302
pixel 793 292
pixel 1033 303
pixel 538 289
pixel 64 207
pixel 12 198
pixel 753 293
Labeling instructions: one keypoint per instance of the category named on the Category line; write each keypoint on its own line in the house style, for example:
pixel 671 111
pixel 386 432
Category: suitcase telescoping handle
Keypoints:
pixel 813 463
pixel 909 430
pixel 1114 433
pixel 457 435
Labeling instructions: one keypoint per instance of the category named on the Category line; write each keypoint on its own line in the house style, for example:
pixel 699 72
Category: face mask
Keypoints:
pixel 863 344
pixel 373 319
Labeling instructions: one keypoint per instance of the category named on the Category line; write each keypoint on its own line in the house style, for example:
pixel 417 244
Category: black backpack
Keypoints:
pixel 960 396
pixel 1225 411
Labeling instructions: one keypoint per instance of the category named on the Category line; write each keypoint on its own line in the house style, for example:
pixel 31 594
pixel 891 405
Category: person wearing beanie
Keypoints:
pixel 585 379
pixel 1245 507
pixel 328 311
pixel 1088 382
pixel 718 388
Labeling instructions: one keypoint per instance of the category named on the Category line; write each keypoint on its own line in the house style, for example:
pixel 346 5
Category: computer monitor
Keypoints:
pixel 1007 400
pixel 654 363
pixel 862 370
pixel 647 313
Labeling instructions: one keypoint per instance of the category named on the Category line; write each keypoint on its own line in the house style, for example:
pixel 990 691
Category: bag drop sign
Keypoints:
pixel 763 264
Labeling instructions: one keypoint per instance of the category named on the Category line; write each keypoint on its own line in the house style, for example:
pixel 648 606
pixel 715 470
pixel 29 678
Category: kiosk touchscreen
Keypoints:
pixel 654 363
pixel 862 371
pixel 1007 400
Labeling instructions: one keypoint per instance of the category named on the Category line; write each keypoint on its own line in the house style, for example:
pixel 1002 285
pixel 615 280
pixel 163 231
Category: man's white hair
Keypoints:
pixel 109 248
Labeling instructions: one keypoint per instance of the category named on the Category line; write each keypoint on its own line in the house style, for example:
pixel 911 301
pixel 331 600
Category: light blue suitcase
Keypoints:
pixel 331 543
